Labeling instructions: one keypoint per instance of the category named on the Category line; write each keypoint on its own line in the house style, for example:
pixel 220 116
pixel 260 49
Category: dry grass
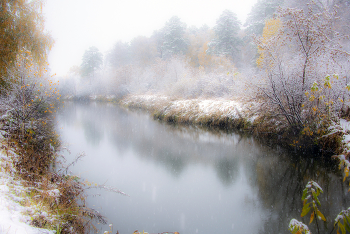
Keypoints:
pixel 53 200
pixel 220 113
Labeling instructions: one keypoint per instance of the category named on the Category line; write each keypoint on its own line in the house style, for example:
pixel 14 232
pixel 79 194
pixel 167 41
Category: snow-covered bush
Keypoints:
pixel 26 107
pixel 299 52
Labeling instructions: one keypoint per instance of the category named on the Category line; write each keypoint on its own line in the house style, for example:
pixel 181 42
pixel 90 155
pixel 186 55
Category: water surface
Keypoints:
pixel 189 180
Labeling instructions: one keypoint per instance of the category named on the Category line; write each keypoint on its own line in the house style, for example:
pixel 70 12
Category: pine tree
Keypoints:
pixel 92 60
pixel 174 41
pixel 261 11
pixel 226 40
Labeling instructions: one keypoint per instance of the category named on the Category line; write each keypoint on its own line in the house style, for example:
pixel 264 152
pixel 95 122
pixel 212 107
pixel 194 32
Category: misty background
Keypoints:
pixel 79 24
pixel 271 51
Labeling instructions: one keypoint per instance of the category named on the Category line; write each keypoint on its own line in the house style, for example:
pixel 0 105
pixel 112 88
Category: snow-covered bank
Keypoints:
pixel 197 111
pixel 239 114
pixel 343 128
pixel 12 214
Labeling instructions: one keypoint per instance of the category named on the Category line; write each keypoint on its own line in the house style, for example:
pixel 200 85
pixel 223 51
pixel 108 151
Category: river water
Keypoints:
pixel 187 179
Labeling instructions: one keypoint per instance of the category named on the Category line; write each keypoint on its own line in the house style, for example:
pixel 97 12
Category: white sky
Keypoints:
pixel 77 25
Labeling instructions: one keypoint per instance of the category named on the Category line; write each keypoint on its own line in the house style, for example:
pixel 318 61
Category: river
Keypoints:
pixel 189 180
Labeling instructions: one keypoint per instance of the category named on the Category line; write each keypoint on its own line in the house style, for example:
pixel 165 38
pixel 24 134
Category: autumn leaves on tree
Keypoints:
pixel 27 93
pixel 304 66
pixel 22 30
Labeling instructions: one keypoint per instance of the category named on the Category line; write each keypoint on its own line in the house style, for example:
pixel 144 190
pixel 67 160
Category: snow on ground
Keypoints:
pixel 12 219
pixel 196 107
pixel 209 106
pixel 345 126
pixel 149 97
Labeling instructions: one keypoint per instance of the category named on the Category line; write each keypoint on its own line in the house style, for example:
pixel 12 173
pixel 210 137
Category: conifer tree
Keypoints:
pixel 261 11
pixel 226 40
pixel 174 41
pixel 92 60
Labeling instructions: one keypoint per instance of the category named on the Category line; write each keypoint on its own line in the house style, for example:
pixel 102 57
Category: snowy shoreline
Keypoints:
pixel 211 112
pixel 216 112
pixel 12 214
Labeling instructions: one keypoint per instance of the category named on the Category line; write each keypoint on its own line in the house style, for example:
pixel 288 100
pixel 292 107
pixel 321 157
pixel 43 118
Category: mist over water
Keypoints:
pixel 187 179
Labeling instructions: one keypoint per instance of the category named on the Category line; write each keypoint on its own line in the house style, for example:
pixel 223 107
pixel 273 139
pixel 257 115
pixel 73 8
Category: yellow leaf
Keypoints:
pixel 312 217
pixel 346 170
pixel 321 215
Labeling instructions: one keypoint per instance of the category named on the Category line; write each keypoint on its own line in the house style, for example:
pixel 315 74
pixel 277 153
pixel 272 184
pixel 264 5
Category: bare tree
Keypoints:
pixel 299 56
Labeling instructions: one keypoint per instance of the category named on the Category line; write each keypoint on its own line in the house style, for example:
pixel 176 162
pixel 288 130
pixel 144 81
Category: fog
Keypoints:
pixel 285 55
pixel 79 24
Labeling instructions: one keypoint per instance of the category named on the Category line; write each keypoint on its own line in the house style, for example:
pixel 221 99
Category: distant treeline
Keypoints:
pixel 291 56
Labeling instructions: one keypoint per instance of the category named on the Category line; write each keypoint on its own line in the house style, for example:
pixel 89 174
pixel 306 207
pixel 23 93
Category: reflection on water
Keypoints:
pixel 189 180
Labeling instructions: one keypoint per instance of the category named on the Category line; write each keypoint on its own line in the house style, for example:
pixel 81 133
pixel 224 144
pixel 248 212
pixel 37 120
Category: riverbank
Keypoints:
pixel 129 140
pixel 221 113
pixel 238 114
pixel 36 203
pixel 14 215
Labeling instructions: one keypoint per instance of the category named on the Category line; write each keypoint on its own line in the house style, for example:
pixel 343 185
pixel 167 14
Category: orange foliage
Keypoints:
pixel 271 28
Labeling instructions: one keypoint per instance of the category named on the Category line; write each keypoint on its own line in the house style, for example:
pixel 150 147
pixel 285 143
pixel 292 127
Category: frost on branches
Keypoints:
pixel 304 66
pixel 298 227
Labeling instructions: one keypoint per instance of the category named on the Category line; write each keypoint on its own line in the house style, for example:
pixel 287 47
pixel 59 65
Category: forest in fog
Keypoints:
pixel 292 56
pixel 306 40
